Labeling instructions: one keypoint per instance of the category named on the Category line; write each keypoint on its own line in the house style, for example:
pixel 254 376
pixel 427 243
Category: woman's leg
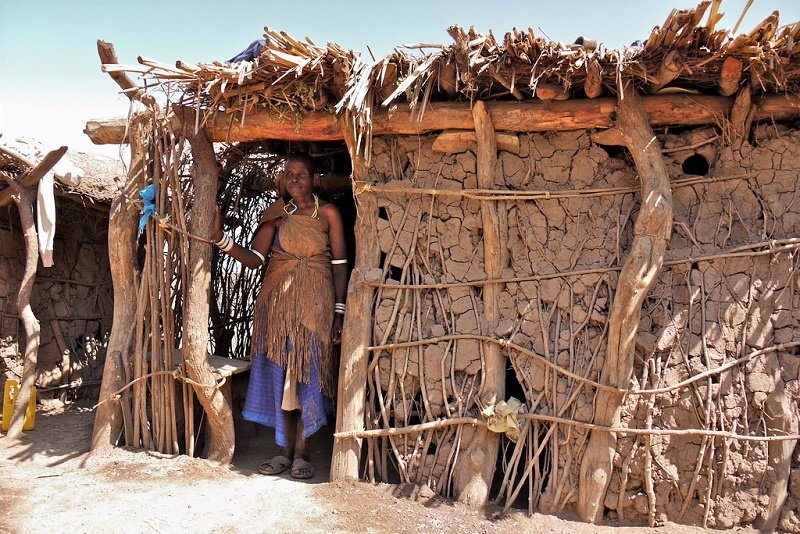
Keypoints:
pixel 290 424
pixel 301 467
pixel 300 443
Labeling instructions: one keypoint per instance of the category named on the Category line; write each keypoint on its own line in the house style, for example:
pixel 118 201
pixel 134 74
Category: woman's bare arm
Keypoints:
pixel 262 243
pixel 338 252
pixel 338 249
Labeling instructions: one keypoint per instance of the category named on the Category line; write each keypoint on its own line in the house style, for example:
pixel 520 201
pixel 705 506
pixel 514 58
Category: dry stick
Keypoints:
pixel 709 480
pixel 156 364
pixel 554 428
pixel 515 457
pixel 385 417
pixel 533 460
pixel 441 423
pixel 124 400
pixel 166 297
pixel 783 245
pixel 454 461
pixel 180 280
pixel 156 268
pixel 138 364
pixel 370 461
pixel 562 482
pixel 557 368
pixel 511 194
pixel 513 463
pixel 538 473
pixel 559 507
pixel 648 452
pixel 690 147
pixel 623 484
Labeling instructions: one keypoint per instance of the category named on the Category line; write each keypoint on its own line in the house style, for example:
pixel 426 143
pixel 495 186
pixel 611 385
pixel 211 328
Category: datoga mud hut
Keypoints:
pixel 608 236
pixel 54 318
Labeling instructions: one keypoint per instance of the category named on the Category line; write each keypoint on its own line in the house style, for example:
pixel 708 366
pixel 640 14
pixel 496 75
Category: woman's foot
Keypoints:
pixel 275 466
pixel 302 469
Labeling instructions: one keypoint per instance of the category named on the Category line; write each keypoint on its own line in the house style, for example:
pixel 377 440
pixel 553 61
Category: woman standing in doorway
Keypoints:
pixel 298 314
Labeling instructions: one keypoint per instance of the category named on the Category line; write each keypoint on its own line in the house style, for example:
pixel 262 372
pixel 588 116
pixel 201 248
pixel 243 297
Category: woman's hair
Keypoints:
pixel 304 159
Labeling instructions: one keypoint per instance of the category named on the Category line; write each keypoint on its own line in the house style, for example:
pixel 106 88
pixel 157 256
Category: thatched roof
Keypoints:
pixel 99 183
pixel 292 76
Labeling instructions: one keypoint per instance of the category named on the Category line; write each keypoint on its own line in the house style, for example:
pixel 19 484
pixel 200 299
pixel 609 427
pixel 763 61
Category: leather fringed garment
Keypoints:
pixel 296 299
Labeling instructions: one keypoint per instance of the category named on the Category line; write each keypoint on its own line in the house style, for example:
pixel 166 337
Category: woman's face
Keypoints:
pixel 298 179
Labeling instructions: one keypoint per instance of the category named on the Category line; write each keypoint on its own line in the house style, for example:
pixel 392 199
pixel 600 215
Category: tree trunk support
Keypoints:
pixel 357 335
pixel 24 194
pixel 122 231
pixel 205 173
pixel 24 198
pixel 474 471
pixel 639 272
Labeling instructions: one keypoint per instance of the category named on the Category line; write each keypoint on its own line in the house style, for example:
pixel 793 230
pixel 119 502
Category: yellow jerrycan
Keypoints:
pixel 10 392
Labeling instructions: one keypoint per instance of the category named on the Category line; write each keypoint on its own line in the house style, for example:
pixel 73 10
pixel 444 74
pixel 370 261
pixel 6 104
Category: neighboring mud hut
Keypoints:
pixel 72 300
pixel 609 236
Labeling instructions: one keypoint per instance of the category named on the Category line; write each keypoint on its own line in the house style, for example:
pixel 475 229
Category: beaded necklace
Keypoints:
pixel 290 208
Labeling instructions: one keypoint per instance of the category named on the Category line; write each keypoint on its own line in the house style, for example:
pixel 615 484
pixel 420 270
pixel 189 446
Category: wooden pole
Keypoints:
pixel 357 335
pixel 205 173
pixel 24 195
pixel 474 471
pixel 528 116
pixel 122 231
pixel 730 75
pixel 741 117
pixel 639 273
pixel 456 141
pixel 24 198
pixel 593 85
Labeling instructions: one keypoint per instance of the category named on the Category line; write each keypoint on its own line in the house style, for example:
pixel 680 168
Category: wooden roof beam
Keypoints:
pixel 530 116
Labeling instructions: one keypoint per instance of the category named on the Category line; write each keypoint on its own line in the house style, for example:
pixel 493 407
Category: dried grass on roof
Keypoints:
pixel 294 76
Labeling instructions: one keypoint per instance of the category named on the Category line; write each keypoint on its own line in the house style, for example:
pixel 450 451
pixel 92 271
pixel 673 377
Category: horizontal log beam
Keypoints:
pixel 530 116
pixel 456 141
pixel 107 132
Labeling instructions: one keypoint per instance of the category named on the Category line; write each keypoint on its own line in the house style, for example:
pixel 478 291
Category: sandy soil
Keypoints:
pixel 50 483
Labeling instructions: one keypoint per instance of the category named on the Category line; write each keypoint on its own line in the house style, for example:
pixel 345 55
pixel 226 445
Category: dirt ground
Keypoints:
pixel 50 482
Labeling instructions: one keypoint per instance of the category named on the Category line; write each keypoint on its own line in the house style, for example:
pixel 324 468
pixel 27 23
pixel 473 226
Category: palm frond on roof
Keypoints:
pixel 291 76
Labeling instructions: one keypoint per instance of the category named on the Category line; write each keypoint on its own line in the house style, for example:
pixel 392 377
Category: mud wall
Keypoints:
pixel 73 300
pixel 729 288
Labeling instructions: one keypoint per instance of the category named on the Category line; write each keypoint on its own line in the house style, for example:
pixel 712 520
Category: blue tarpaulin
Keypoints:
pixel 250 53
pixel 148 195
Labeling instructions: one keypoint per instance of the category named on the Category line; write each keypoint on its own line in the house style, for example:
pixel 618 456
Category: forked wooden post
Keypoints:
pixel 473 477
pixel 357 335
pixel 205 173
pixel 639 272
pixel 24 194
pixel 122 230
pixel 25 198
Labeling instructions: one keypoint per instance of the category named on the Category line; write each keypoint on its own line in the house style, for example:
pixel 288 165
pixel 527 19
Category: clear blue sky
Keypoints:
pixel 50 81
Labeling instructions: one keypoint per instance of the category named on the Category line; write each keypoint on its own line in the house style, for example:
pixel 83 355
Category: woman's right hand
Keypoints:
pixel 216 225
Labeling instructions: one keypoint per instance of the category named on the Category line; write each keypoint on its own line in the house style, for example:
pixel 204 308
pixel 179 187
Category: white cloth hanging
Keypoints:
pixel 46 218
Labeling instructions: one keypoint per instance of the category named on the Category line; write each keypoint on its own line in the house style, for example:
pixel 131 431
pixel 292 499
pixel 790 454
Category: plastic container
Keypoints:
pixel 10 392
